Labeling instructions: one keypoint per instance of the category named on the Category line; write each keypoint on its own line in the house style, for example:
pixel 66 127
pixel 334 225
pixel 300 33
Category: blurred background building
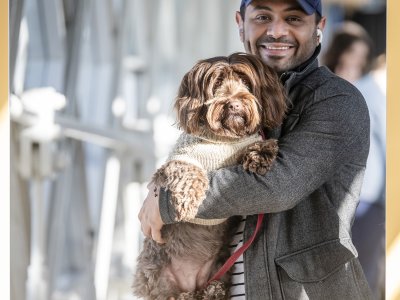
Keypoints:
pixel 92 85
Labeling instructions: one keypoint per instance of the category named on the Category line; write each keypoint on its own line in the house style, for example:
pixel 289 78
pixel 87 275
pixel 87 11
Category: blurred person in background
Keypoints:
pixel 350 55
pixel 309 197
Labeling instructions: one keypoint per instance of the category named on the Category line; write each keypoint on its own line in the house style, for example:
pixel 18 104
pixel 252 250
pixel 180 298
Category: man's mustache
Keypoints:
pixel 282 40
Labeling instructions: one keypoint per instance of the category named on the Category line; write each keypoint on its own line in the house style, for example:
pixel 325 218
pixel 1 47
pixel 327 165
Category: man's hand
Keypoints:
pixel 149 215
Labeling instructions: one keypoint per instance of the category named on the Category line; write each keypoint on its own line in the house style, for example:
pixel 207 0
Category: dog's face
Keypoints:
pixel 230 97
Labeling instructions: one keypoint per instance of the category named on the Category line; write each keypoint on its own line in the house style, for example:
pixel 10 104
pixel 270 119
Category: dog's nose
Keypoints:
pixel 235 105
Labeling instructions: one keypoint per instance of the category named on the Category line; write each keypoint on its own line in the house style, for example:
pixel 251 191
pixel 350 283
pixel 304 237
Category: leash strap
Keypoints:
pixel 231 260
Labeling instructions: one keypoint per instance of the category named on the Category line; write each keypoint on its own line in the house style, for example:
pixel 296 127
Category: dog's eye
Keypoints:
pixel 247 85
pixel 216 86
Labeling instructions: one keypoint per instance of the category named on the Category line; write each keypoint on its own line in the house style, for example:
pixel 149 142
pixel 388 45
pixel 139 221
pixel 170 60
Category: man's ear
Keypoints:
pixel 321 24
pixel 239 22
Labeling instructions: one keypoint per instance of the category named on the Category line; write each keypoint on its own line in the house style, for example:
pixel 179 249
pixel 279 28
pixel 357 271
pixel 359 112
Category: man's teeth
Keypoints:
pixel 277 48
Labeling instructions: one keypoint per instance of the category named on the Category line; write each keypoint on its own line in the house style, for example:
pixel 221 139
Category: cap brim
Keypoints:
pixel 307 7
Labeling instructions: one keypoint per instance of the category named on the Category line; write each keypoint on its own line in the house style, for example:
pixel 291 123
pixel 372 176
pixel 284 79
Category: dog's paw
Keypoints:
pixel 216 290
pixel 188 296
pixel 187 184
pixel 258 157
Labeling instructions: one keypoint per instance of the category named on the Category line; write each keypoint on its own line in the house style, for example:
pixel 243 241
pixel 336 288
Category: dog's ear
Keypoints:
pixel 189 103
pixel 263 82
pixel 197 87
pixel 273 98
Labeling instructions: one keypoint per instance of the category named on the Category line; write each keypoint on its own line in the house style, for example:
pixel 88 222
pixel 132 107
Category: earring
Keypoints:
pixel 319 35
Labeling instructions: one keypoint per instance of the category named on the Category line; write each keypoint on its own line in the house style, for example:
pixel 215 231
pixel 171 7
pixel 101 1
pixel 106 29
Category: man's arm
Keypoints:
pixel 329 134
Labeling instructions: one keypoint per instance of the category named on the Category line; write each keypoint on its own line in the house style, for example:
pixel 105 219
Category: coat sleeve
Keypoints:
pixel 331 132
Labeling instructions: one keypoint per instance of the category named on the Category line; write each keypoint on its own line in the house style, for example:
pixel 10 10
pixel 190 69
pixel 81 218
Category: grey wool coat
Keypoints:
pixel 309 197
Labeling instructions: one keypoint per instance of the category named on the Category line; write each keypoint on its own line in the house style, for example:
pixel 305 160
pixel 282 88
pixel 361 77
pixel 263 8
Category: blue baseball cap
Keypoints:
pixel 309 6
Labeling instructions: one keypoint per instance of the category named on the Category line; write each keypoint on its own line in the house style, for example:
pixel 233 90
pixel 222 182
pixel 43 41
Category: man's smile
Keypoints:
pixel 275 49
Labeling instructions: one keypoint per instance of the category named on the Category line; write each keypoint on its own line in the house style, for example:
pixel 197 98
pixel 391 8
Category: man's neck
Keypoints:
pixel 300 67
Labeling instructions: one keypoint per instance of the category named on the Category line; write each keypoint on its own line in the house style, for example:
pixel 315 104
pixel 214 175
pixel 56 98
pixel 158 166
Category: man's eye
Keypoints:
pixel 262 18
pixel 293 19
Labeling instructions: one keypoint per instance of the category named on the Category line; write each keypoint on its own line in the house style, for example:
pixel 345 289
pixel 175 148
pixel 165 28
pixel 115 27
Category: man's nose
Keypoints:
pixel 277 29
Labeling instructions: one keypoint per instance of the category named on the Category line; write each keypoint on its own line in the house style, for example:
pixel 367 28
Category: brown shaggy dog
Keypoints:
pixel 222 105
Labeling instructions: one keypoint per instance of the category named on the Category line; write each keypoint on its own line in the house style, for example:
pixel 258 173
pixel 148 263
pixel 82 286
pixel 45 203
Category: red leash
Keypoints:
pixel 231 260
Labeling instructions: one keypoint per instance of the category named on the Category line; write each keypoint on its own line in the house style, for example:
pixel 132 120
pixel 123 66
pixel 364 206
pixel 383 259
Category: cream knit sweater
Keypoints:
pixel 209 155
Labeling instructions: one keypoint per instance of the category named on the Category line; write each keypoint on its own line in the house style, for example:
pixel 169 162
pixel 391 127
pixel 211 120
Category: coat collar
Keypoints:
pixel 292 77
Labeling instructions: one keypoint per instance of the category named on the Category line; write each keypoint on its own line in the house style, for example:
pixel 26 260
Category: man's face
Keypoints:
pixel 279 32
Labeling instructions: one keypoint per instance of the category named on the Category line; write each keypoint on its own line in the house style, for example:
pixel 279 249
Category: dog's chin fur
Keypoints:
pixel 230 128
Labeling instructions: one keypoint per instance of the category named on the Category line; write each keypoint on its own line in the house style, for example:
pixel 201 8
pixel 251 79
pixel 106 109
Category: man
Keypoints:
pixel 304 250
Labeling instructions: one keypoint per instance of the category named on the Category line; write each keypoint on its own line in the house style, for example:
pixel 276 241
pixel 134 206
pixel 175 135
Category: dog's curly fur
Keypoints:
pixel 220 100
pixel 188 185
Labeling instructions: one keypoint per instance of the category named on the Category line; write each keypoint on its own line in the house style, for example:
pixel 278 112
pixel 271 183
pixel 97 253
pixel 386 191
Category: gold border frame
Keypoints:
pixel 393 152
pixel 4 155
pixel 393 146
